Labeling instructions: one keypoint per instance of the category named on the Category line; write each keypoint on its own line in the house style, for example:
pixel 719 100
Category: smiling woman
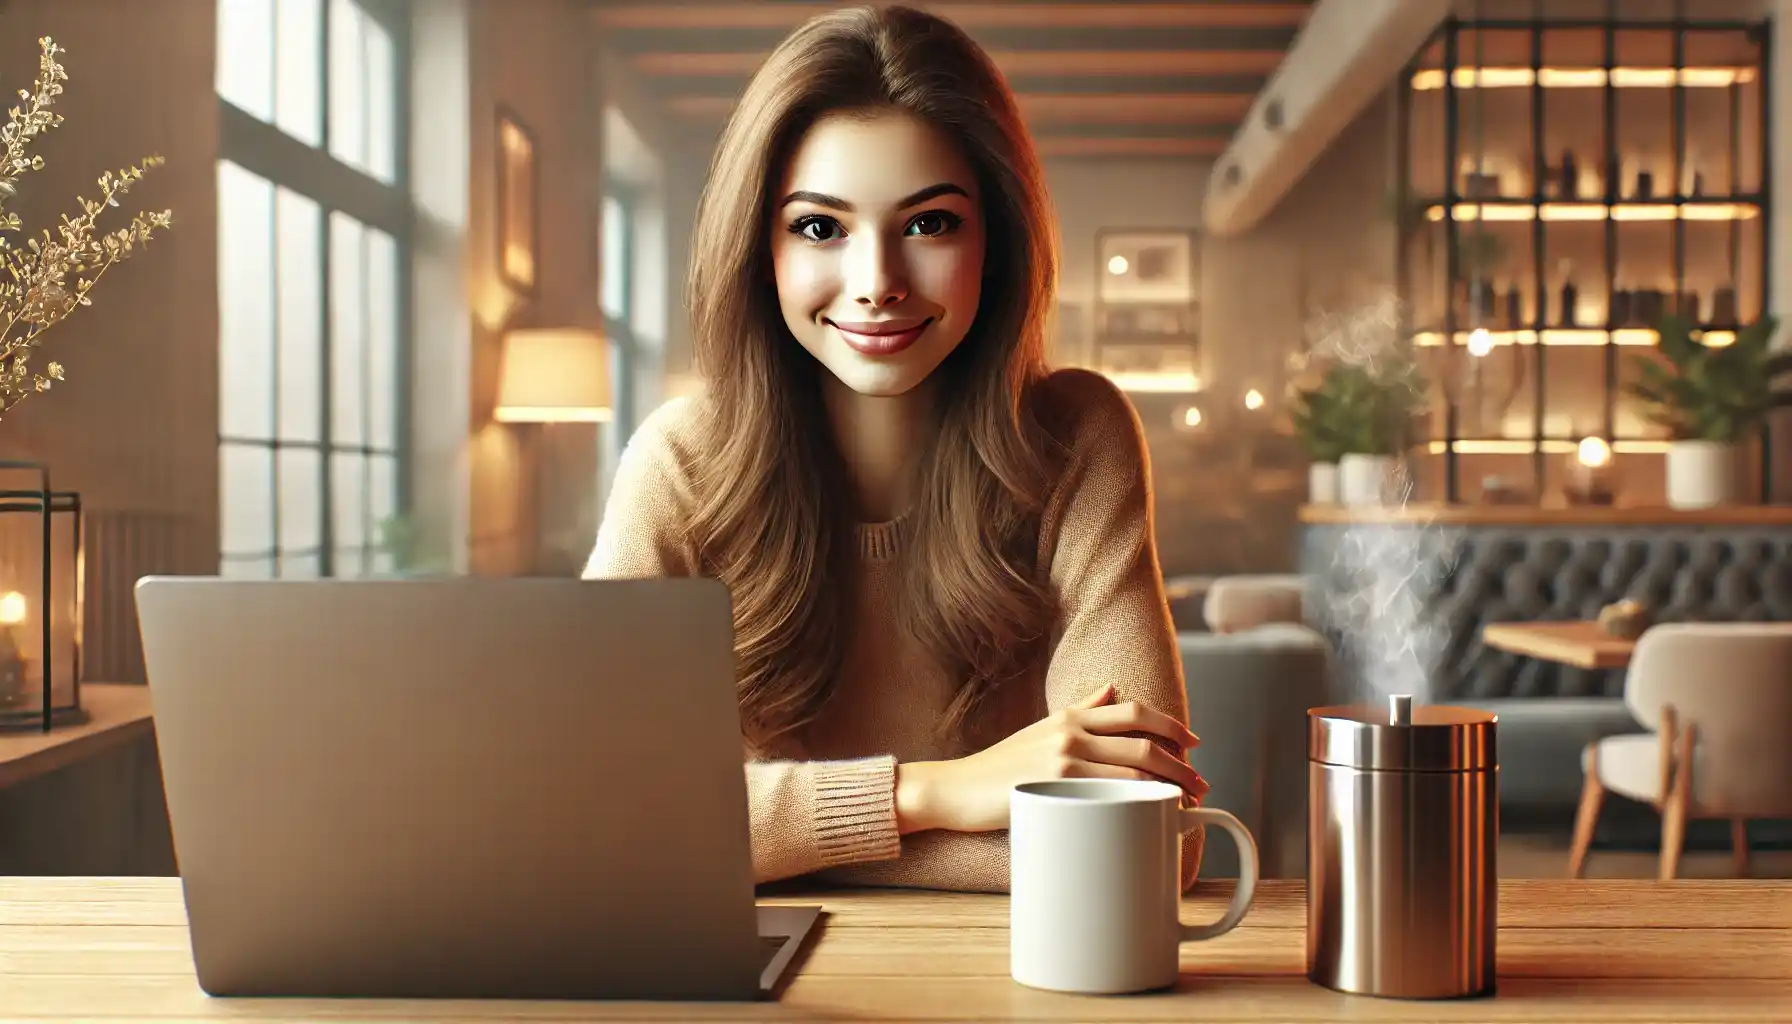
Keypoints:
pixel 940 553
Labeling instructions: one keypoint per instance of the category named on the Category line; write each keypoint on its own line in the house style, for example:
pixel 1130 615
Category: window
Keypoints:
pixel 616 296
pixel 313 277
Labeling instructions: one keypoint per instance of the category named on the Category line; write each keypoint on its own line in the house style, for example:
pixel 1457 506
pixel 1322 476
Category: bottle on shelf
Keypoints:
pixel 1570 181
pixel 1570 295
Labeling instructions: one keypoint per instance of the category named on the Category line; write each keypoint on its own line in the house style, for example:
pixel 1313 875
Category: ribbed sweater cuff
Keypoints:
pixel 855 811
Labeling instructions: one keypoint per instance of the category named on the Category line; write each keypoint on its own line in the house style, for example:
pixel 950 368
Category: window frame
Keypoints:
pixel 262 148
pixel 620 328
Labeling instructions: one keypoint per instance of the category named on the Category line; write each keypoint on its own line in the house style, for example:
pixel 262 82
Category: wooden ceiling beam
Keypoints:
pixel 736 15
pixel 1014 63
pixel 1122 146
pixel 1122 108
pixel 1025 85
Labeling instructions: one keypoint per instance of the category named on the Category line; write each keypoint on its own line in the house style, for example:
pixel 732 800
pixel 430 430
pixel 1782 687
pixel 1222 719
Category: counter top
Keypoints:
pixel 1583 950
pixel 1437 513
pixel 117 713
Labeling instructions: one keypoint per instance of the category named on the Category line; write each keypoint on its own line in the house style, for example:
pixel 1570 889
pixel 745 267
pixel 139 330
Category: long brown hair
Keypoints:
pixel 768 522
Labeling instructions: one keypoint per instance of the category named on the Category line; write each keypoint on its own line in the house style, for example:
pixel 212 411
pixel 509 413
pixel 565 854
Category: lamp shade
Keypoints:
pixel 554 375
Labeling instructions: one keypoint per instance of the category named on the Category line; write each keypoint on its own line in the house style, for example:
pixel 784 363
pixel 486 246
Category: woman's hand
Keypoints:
pixel 1086 740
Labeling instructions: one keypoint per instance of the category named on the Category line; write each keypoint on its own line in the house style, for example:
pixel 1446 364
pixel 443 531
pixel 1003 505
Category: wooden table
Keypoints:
pixel 117 713
pixel 1585 950
pixel 1582 644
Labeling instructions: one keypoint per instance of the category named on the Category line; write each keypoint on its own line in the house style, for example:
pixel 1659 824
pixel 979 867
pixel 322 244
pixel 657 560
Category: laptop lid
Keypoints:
pixel 458 787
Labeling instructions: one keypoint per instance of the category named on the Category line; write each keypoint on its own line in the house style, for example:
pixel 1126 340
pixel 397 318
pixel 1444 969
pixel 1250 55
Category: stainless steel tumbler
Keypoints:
pixel 1402 831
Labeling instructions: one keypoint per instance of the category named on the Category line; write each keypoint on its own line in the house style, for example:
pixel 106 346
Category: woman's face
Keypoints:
pixel 877 244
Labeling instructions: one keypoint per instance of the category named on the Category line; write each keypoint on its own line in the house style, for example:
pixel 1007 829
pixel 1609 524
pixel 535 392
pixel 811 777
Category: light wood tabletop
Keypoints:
pixel 1581 644
pixel 1583 950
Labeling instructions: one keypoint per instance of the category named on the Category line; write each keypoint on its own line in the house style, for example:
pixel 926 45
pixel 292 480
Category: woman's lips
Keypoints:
pixel 880 337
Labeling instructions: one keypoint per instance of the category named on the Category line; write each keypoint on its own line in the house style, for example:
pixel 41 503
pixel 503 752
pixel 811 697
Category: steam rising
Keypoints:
pixel 1378 598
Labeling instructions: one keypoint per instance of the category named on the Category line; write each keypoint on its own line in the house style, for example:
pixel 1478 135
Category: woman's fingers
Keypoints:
pixel 1100 770
pixel 1142 754
pixel 1099 696
pixel 1133 716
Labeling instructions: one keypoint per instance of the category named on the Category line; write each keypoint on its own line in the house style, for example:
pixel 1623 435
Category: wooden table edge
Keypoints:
pixel 1526 638
pixel 118 713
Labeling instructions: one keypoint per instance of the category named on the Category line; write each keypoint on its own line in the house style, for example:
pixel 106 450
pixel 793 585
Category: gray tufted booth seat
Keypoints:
pixel 1548 711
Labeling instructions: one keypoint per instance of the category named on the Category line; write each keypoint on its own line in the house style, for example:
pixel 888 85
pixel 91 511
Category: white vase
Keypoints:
pixel 1362 479
pixel 1322 483
pixel 1701 474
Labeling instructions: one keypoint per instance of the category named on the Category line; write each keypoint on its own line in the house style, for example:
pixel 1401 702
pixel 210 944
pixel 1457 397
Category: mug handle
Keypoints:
pixel 1247 871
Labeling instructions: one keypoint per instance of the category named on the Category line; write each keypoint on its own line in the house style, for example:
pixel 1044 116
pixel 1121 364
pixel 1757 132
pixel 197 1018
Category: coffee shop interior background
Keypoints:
pixel 382 206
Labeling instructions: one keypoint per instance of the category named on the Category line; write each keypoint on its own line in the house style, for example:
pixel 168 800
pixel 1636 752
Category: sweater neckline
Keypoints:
pixel 879 542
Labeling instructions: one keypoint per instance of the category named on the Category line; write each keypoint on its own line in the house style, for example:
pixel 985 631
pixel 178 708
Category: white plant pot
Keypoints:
pixel 1701 474
pixel 1322 483
pixel 1362 479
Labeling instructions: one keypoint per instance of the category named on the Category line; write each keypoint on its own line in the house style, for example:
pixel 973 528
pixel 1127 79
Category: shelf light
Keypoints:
pixel 1553 447
pixel 1497 210
pixel 1584 78
pixel 1564 336
pixel 1163 382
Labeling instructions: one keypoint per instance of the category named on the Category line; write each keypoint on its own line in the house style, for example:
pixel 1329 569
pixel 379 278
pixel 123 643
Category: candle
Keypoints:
pixel 13 610
pixel 1590 473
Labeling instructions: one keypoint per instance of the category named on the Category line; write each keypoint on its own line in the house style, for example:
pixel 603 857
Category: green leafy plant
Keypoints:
pixel 1368 406
pixel 1712 392
pixel 400 538
pixel 1320 422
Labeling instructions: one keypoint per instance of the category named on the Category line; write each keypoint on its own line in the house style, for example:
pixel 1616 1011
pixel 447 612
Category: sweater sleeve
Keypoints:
pixel 1116 620
pixel 1116 625
pixel 804 815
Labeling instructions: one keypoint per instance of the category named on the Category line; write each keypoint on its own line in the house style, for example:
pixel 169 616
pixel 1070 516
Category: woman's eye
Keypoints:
pixel 934 222
pixel 817 229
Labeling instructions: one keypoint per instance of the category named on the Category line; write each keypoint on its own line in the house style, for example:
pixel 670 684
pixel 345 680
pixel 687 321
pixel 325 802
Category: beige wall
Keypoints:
pixel 135 427
pixel 534 60
pixel 1228 491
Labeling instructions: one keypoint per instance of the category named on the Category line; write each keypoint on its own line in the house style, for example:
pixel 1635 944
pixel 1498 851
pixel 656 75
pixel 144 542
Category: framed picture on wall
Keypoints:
pixel 517 203
pixel 1144 266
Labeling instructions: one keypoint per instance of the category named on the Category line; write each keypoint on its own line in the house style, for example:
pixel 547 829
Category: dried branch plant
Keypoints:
pixel 53 274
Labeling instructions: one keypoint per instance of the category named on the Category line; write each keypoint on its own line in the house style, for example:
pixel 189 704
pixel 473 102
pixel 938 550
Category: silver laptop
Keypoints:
pixel 460 788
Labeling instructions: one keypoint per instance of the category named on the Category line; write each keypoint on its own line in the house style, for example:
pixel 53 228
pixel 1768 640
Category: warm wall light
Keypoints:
pixel 1117 265
pixel 554 375
pixel 1584 78
pixel 1253 399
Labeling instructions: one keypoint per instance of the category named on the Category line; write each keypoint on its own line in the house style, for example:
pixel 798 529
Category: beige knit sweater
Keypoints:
pixel 825 805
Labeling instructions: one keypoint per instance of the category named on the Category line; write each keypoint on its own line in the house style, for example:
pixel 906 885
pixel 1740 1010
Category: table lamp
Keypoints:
pixel 554 375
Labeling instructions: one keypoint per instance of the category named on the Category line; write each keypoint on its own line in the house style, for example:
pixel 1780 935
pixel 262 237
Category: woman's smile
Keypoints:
pixel 880 337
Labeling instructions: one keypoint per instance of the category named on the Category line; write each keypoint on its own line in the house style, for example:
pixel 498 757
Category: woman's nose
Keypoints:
pixel 878 275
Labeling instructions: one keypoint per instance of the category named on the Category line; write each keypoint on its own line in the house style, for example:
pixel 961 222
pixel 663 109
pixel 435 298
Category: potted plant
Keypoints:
pixel 1318 418
pixel 1710 398
pixel 1376 401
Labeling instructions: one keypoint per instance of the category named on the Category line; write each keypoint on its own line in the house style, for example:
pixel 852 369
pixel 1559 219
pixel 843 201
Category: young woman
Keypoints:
pixel 940 553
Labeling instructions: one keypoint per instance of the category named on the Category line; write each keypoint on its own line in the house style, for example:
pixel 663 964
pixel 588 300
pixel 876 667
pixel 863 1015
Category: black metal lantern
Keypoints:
pixel 40 600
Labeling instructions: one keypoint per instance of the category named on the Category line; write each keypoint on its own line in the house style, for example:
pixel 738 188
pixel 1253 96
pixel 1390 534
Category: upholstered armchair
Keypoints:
pixel 1717 699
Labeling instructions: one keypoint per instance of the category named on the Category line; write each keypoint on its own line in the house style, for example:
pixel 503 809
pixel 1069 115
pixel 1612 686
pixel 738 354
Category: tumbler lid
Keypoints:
pixel 1402 736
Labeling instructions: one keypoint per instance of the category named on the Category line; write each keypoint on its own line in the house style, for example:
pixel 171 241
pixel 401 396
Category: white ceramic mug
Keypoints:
pixel 1095 884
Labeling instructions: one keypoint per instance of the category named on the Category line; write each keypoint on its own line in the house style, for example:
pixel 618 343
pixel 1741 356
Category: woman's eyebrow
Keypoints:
pixel 944 188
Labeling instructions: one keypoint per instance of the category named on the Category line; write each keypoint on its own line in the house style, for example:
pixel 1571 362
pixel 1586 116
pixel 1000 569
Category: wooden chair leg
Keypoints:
pixel 1674 808
pixel 1739 846
pixel 1592 795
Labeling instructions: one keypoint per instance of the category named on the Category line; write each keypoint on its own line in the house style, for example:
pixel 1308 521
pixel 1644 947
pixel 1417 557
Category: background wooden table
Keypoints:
pixel 1571 950
pixel 1582 644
